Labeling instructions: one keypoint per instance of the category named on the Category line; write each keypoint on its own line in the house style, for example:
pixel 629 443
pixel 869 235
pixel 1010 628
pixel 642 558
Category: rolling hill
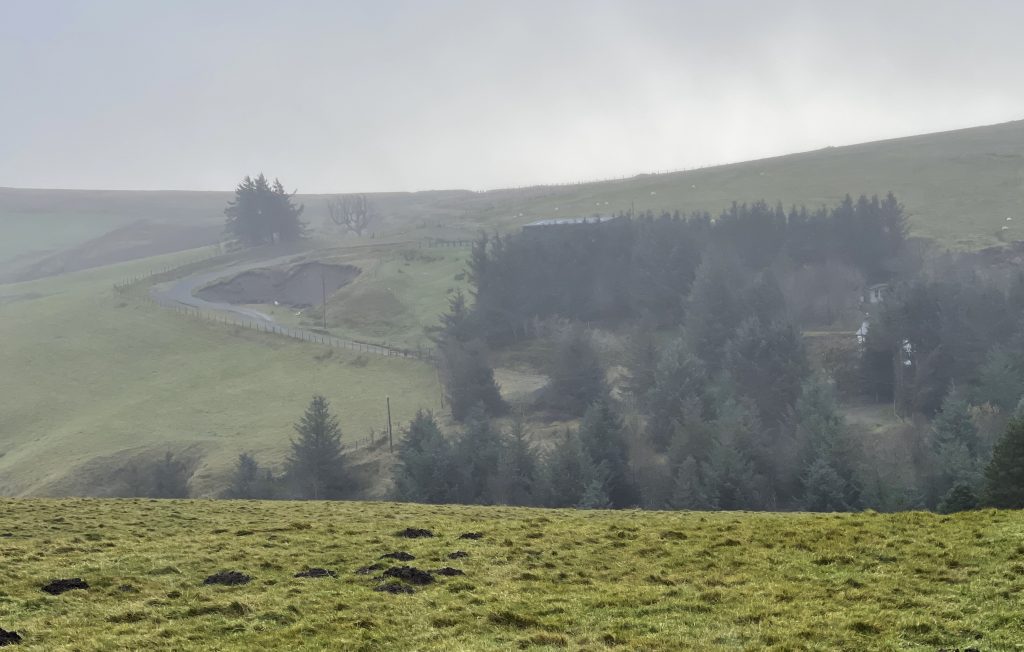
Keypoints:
pixel 535 579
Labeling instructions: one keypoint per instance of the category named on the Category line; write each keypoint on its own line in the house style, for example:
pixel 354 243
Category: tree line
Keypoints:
pixel 727 407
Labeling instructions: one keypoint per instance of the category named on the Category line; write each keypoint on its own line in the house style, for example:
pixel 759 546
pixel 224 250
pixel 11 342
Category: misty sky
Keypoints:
pixel 334 96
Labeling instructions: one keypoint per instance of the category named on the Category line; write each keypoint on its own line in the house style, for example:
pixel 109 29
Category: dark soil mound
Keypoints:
pixel 9 638
pixel 458 554
pixel 409 574
pixel 366 570
pixel 414 533
pixel 471 535
pixel 300 286
pixel 401 555
pixel 317 572
pixel 395 587
pixel 228 578
pixel 448 571
pixel 56 587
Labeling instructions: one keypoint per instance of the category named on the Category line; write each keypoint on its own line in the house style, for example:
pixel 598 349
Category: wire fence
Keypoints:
pixel 139 288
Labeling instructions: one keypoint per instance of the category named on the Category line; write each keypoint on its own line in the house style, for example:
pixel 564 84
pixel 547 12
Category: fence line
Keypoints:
pixel 130 288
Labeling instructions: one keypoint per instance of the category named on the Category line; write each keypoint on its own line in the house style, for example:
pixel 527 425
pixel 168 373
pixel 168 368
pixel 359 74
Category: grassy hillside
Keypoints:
pixel 958 186
pixel 537 579
pixel 91 379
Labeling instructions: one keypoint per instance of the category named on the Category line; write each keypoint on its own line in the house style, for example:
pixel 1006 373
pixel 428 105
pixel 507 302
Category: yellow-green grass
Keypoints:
pixel 538 579
pixel 89 377
pixel 401 290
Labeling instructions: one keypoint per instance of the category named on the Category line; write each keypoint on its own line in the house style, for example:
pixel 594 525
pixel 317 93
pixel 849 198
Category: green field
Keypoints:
pixel 91 378
pixel 538 579
pixel 958 186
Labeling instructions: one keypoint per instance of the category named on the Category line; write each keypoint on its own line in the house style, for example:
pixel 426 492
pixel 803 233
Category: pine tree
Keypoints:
pixel 1004 476
pixel 263 213
pixel 689 490
pixel 563 471
pixel 678 394
pixel 517 468
pixel 475 458
pixel 462 362
pixel 954 440
pixel 824 488
pixel 1000 381
pixel 960 498
pixel 602 434
pixel 316 465
pixel 767 362
pixel 425 471
pixel 596 488
pixel 577 375
pixel 246 479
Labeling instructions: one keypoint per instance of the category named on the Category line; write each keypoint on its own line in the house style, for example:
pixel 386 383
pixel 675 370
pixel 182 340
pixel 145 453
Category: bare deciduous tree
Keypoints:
pixel 351 211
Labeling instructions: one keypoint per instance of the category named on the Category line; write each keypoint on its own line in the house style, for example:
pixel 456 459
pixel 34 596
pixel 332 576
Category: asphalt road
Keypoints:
pixel 181 292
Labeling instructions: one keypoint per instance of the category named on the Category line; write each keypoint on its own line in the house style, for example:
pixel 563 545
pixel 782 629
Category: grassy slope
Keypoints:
pixel 86 375
pixel 543 579
pixel 959 186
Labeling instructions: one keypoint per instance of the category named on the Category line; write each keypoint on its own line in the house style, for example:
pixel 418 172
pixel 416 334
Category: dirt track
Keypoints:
pixel 180 293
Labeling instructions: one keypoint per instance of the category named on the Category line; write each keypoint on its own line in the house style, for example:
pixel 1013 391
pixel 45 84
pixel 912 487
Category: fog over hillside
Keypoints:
pixel 360 97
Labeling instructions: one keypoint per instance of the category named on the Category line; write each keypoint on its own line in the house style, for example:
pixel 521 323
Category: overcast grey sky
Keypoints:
pixel 366 96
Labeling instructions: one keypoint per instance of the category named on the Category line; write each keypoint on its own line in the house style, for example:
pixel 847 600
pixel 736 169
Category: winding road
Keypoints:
pixel 180 294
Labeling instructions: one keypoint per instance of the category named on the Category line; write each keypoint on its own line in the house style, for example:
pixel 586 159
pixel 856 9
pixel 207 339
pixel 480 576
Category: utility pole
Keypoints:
pixel 391 442
pixel 323 288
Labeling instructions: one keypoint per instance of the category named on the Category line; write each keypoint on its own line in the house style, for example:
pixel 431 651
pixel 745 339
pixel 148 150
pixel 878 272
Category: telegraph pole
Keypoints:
pixel 323 288
pixel 391 443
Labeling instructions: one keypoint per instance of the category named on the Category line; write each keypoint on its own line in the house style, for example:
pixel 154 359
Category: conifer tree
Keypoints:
pixel 1004 476
pixel 263 213
pixel 603 438
pixel 425 470
pixel 315 466
pixel 517 467
pixel 246 481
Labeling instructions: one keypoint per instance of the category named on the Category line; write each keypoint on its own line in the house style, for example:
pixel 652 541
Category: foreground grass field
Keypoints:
pixel 537 579
pixel 91 380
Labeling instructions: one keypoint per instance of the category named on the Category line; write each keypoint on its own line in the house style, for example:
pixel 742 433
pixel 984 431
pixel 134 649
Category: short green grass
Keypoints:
pixel 958 186
pixel 402 290
pixel 89 375
pixel 538 579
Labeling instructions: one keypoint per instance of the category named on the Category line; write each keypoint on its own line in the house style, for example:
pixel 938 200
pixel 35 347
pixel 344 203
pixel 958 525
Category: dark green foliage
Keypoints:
pixel 425 471
pixel 169 478
pixel 1000 381
pixel 716 307
pixel 767 363
pixel 315 467
pixel 263 213
pixel 603 439
pixel 826 452
pixel 462 361
pixel 1004 476
pixel 824 489
pixel 577 376
pixel 690 490
pixel 677 397
pixel 249 481
pixel 960 498
pixel 517 468
pixel 562 472
pixel 476 454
